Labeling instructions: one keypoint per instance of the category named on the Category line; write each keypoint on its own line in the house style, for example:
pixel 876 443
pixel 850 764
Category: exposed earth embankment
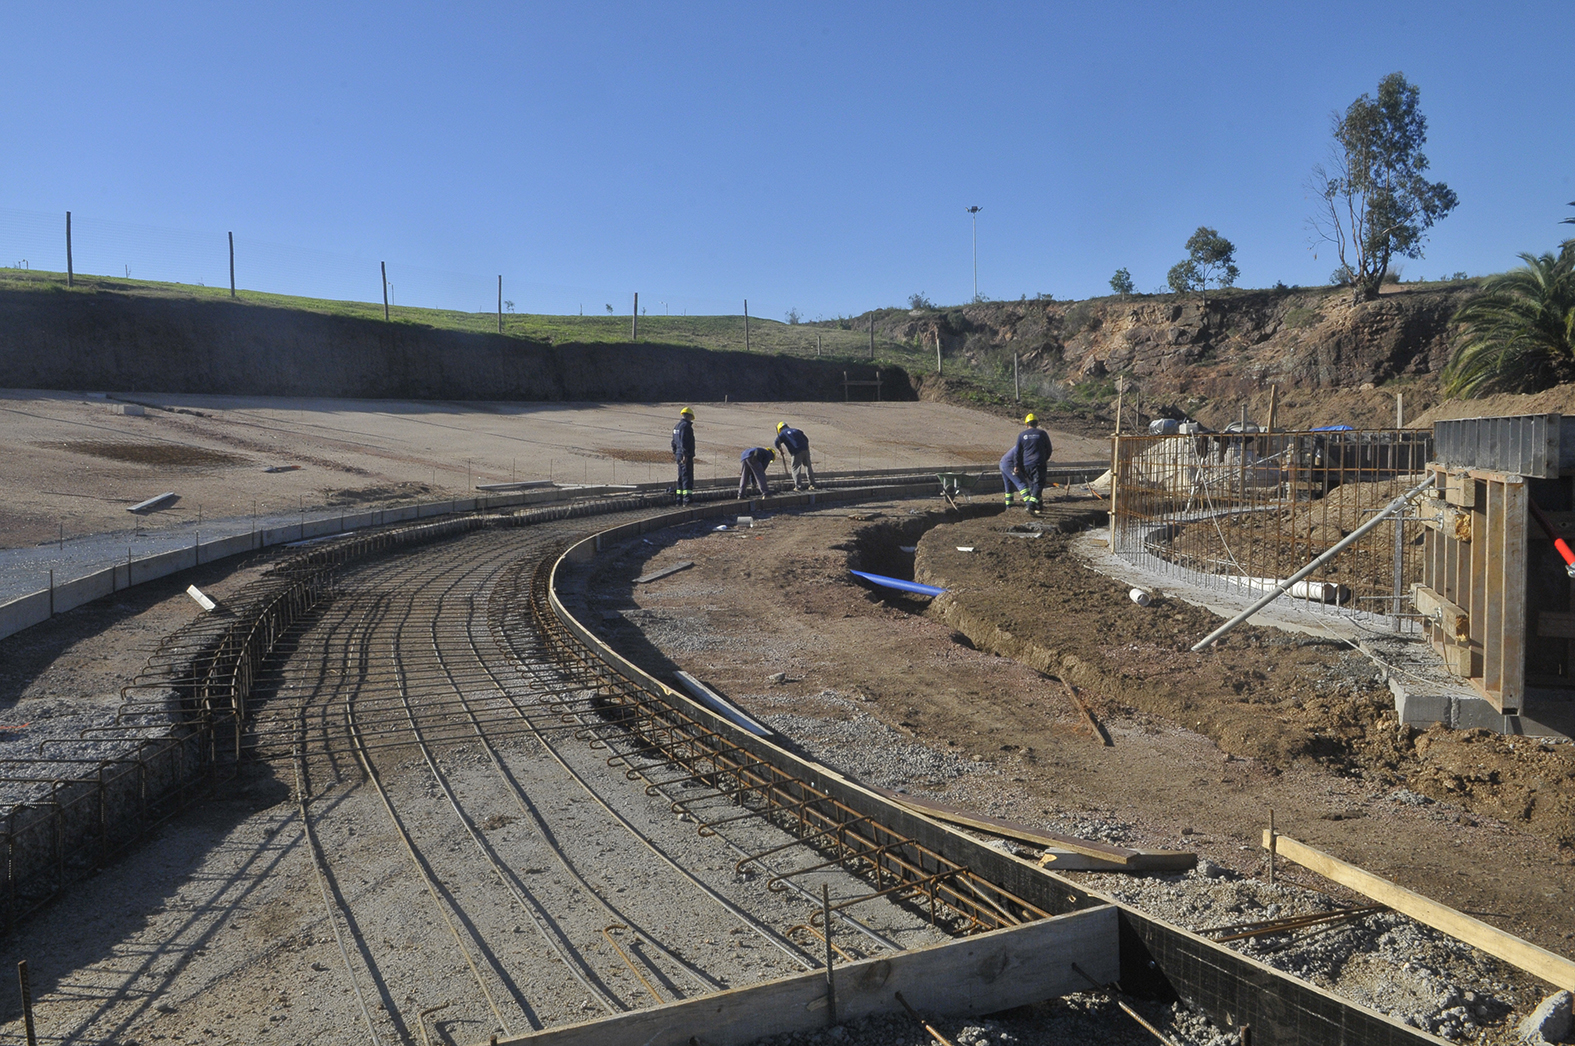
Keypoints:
pixel 1333 361
pixel 114 342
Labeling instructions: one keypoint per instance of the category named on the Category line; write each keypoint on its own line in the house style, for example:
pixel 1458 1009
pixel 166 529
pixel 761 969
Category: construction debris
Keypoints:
pixel 1549 1022
pixel 646 579
pixel 1116 858
pixel 1087 713
pixel 202 600
pixel 153 504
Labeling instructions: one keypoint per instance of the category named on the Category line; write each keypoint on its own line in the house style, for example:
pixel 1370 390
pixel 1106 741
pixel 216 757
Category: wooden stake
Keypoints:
pixel 1399 410
pixel 232 265
pixel 937 354
pixel 70 276
pixel 1017 388
pixel 872 335
pixel 500 303
pixel 746 324
pixel 27 1002
pixel 1121 388
pixel 384 267
pixel 634 329
pixel 1273 845
pixel 1274 402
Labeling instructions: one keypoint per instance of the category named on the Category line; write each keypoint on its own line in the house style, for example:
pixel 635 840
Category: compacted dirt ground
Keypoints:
pixel 1204 745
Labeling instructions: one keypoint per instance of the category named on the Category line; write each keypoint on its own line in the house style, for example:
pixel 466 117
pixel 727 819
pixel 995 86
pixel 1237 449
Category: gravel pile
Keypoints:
pixel 1385 960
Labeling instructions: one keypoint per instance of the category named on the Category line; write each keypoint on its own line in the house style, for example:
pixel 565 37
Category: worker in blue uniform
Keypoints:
pixel 684 455
pixel 1009 477
pixel 1031 459
pixel 752 469
pixel 795 453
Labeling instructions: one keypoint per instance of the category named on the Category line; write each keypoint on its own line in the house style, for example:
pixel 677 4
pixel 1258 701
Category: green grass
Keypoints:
pixel 708 332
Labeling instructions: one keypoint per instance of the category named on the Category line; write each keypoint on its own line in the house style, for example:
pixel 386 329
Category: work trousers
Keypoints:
pixel 803 471
pixel 752 473
pixel 686 479
pixel 1012 483
pixel 1036 484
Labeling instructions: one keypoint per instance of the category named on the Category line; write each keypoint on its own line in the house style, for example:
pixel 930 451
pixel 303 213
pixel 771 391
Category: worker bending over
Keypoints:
pixel 752 469
pixel 1009 478
pixel 795 450
pixel 1030 459
pixel 684 455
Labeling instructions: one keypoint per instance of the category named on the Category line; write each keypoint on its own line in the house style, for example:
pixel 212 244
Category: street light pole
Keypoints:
pixel 974 211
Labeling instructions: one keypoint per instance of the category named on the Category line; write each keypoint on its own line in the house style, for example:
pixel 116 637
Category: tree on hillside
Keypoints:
pixel 1518 335
pixel 1121 282
pixel 1211 258
pixel 1375 205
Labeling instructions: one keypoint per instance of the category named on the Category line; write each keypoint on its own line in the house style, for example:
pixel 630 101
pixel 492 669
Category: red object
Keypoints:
pixel 1553 536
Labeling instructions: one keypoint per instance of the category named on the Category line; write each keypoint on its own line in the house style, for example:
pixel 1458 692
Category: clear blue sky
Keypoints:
pixel 809 156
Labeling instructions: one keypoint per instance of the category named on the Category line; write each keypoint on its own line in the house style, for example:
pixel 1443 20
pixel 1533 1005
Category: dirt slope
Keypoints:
pixel 1334 362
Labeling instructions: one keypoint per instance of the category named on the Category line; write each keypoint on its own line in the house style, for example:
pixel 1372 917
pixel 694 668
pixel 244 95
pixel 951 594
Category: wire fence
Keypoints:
pixel 33 240
pixel 1245 511
pixel 101 248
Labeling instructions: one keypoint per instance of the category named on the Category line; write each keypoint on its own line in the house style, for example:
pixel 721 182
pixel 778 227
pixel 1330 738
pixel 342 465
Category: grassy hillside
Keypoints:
pixel 708 332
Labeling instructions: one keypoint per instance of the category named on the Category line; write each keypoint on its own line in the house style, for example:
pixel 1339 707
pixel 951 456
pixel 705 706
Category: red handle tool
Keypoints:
pixel 1553 536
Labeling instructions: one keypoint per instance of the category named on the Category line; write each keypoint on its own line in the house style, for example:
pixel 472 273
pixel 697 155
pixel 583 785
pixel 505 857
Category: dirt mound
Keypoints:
pixel 1261 693
pixel 163 454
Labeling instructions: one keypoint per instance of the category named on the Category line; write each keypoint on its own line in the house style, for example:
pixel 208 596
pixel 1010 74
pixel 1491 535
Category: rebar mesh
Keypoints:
pixel 1244 511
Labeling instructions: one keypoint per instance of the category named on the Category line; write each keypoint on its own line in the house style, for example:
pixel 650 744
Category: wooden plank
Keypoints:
pixel 1119 858
pixel 1553 968
pixel 981 974
pixel 1452 622
pixel 646 579
pixel 163 500
pixel 1460 489
pixel 1475 594
pixel 1512 626
pixel 1493 608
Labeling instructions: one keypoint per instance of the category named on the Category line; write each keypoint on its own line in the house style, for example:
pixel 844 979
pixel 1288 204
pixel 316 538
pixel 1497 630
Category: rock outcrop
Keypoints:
pixel 1183 356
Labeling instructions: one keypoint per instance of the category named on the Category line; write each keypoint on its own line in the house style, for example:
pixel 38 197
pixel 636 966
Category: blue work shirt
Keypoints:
pixel 792 440
pixel 683 440
pixel 760 455
pixel 1032 451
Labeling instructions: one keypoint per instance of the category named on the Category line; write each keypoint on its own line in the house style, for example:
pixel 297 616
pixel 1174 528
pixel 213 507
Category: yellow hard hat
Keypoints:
pixel 781 425
pixel 1029 418
pixel 686 412
pixel 773 454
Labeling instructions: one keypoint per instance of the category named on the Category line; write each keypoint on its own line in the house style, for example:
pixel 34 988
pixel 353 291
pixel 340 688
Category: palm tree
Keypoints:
pixel 1518 335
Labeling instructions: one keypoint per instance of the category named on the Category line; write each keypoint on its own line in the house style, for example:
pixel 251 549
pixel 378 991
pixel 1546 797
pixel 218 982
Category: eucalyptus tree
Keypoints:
pixel 1375 204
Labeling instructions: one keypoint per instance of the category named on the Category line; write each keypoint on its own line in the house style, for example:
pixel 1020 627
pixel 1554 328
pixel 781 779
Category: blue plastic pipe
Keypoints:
pixel 899 584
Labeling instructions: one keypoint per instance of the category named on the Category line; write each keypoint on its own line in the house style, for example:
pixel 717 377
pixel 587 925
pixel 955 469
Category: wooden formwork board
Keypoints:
pixel 1473 590
pixel 976 975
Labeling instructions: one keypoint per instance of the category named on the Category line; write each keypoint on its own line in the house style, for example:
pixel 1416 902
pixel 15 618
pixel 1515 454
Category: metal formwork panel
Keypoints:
pixel 1527 445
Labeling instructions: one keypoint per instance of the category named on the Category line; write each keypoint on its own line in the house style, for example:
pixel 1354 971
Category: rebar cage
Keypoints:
pixel 1243 511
